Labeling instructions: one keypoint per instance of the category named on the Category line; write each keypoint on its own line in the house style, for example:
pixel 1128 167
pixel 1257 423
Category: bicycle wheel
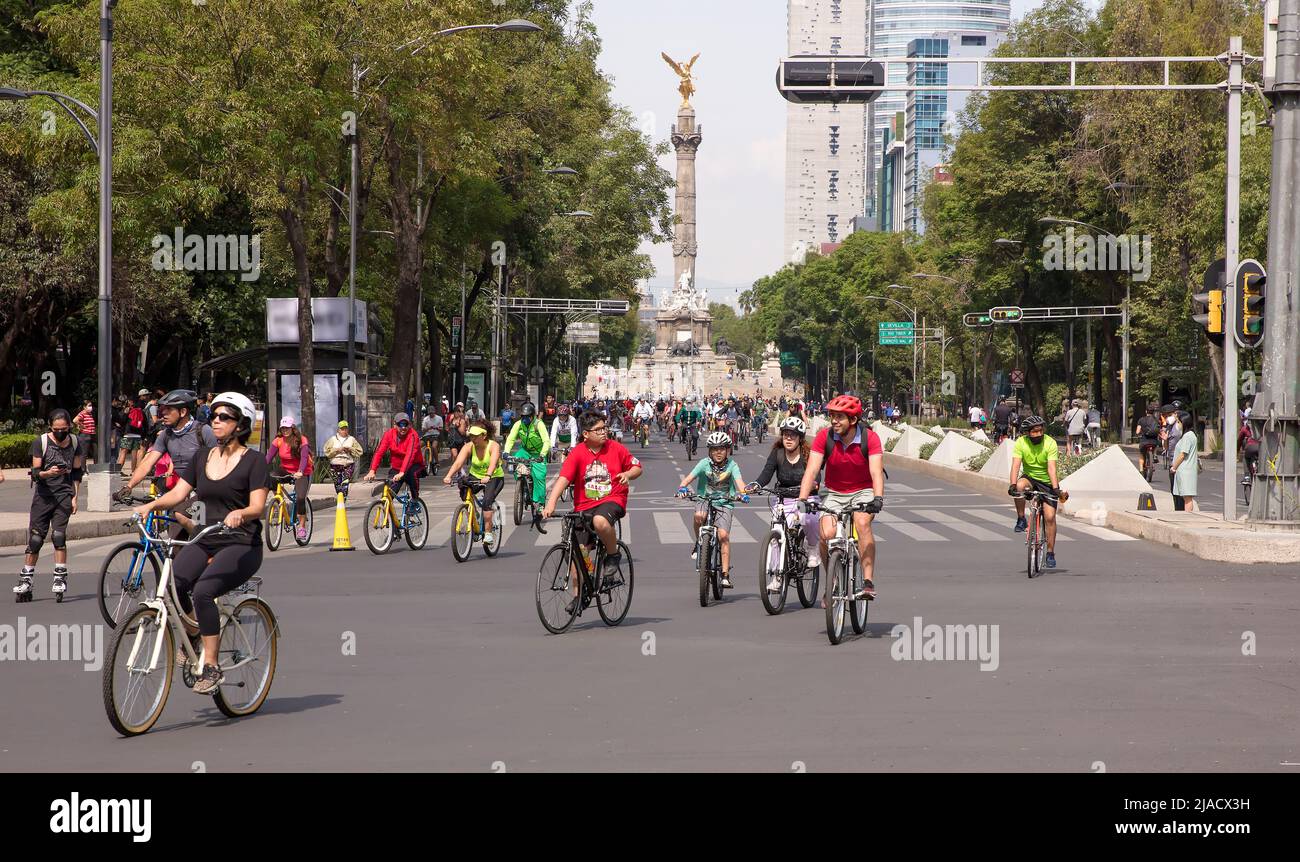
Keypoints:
pixel 379 528
pixel 127 577
pixel 493 549
pixel 1246 485
pixel 614 599
pixel 836 588
pixel 307 519
pixel 1040 543
pixel 554 597
pixel 248 648
pixel 417 528
pixel 274 531
pixel 857 608
pixel 462 533
pixel 703 561
pixel 807 585
pixel 522 496
pixel 771 563
pixel 134 695
pixel 716 580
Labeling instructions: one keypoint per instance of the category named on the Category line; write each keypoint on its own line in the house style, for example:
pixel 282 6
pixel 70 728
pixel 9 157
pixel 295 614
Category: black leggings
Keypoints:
pixel 231 566
pixel 492 487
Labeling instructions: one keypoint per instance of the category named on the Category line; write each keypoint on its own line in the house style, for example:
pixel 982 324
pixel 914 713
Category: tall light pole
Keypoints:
pixel 515 25
pixel 1128 286
pixel 103 147
pixel 913 312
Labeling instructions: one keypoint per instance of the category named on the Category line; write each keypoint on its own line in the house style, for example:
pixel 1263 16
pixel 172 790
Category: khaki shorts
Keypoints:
pixel 834 502
pixel 721 517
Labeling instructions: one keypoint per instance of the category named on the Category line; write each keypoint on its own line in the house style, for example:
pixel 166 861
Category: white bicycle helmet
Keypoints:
pixel 242 403
pixel 690 399
pixel 718 438
pixel 795 424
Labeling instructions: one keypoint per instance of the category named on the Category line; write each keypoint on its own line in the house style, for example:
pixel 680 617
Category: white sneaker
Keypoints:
pixel 489 538
pixel 774 585
pixel 814 561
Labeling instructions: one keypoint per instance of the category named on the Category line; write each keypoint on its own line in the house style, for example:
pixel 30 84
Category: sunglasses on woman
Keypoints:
pixel 225 417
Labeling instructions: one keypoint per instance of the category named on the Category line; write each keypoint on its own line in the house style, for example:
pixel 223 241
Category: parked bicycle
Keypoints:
pixel 282 518
pixel 393 514
pixel 467 524
pixel 844 578
pixel 785 557
pixel 138 672
pixel 569 580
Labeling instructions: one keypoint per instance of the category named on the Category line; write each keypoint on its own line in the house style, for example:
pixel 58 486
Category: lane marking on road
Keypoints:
pixel 439 533
pixel 672 529
pixel 912 531
pixel 1096 532
pixel 739 534
pixel 952 523
pixel 1002 519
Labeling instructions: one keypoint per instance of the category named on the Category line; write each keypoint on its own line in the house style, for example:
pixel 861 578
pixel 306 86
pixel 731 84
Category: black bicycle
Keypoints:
pixel 570 578
pixel 844 578
pixel 1036 533
pixel 1248 480
pixel 1148 463
pixel 691 433
pixel 784 557
pixel 522 468
pixel 708 549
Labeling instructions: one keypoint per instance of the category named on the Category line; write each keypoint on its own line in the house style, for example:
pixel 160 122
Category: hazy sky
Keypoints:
pixel 741 164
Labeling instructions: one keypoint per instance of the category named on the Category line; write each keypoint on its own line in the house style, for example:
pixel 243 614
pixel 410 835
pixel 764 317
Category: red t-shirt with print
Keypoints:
pixel 592 474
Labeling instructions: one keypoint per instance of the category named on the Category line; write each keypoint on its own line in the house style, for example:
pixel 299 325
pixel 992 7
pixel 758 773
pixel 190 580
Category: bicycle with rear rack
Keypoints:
pixel 572 576
pixel 785 556
pixel 844 579
pixel 1036 532
pixel 138 671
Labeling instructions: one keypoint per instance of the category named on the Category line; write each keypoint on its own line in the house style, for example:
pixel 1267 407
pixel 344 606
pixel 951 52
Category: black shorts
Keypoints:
pixel 1045 487
pixel 1148 445
pixel 609 509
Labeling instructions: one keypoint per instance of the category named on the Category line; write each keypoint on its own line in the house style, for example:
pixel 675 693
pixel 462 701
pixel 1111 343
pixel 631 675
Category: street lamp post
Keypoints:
pixel 912 391
pixel 515 25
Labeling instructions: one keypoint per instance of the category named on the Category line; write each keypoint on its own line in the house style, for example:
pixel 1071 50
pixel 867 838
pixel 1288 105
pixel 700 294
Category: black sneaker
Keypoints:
pixel 611 568
pixel 208 681
pixel 1021 524
pixel 571 606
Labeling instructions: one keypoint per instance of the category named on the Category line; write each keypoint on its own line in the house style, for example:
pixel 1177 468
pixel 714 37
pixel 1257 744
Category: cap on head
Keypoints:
pixel 401 417
pixel 476 431
pixel 286 422
pixel 142 393
pixel 343 423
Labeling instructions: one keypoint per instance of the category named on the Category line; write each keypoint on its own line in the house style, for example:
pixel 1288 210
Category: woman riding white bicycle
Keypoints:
pixel 787 463
pixel 231 488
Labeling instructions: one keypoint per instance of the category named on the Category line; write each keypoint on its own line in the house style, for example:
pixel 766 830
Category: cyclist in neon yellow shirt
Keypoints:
pixel 534 442
pixel 1036 452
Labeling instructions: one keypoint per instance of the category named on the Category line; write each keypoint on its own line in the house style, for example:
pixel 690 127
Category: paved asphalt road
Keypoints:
pixel 1129 654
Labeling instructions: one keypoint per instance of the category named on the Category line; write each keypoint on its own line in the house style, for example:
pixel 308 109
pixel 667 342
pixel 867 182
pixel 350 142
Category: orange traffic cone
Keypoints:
pixel 342 538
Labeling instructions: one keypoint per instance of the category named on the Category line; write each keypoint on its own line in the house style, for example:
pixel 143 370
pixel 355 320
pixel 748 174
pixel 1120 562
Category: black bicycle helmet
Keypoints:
pixel 528 410
pixel 180 398
pixel 1030 421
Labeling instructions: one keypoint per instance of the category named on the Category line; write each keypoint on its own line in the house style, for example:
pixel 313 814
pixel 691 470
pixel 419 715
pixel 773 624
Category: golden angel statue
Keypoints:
pixel 687 87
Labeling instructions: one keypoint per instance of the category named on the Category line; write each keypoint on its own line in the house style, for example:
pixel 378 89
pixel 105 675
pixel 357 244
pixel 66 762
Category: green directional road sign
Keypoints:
pixel 788 358
pixel 892 325
pixel 896 332
pixel 896 339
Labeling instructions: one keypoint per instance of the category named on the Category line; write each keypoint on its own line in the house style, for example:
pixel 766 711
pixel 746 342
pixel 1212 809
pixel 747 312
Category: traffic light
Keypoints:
pixel 1212 317
pixel 1005 314
pixel 1248 327
pixel 977 318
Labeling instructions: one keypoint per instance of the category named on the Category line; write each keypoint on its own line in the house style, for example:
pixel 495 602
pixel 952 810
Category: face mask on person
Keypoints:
pixel 1036 441
pixel 60 434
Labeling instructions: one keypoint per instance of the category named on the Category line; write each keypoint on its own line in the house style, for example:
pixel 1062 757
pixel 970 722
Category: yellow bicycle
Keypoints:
pixel 467 525
pixel 280 518
pixel 395 513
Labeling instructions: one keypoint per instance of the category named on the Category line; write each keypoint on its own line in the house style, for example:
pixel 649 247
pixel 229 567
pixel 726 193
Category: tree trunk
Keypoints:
pixel 296 232
pixel 408 231
pixel 1115 355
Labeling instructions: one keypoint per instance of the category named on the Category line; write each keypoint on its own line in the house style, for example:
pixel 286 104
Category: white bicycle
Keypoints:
pixel 137 676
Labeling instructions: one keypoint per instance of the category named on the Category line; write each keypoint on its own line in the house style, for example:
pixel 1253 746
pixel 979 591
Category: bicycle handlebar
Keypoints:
pixel 709 498
pixel 138 522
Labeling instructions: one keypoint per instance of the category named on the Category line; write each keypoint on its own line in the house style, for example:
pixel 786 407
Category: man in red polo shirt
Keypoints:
pixel 600 471
pixel 855 473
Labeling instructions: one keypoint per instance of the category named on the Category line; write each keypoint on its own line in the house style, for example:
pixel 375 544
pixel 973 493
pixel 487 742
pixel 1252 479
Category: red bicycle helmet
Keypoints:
pixel 849 405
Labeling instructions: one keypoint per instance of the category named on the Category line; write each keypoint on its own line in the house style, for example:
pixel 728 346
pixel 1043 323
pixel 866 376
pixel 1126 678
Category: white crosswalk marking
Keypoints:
pixel 1006 522
pixel 672 529
pixel 1096 532
pixel 960 526
pixel 439 533
pixel 912 531
pixel 739 535
pixel 900 488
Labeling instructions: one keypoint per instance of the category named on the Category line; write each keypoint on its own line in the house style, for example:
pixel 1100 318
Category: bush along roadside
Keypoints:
pixel 1067 463
pixel 928 449
pixel 889 444
pixel 16 450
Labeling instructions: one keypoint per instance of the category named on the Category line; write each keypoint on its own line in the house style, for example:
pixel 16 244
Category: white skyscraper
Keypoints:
pixel 825 145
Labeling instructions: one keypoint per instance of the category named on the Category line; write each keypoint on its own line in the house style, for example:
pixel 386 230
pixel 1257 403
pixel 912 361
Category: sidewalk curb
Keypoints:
pixel 1219 542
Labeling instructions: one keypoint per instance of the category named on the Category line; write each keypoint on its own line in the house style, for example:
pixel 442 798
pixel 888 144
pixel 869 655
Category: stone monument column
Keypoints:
pixel 686 138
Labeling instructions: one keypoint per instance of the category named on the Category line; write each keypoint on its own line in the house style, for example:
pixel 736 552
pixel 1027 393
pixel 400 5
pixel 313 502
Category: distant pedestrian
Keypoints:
pixel 1185 467
pixel 56 477
pixel 84 424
